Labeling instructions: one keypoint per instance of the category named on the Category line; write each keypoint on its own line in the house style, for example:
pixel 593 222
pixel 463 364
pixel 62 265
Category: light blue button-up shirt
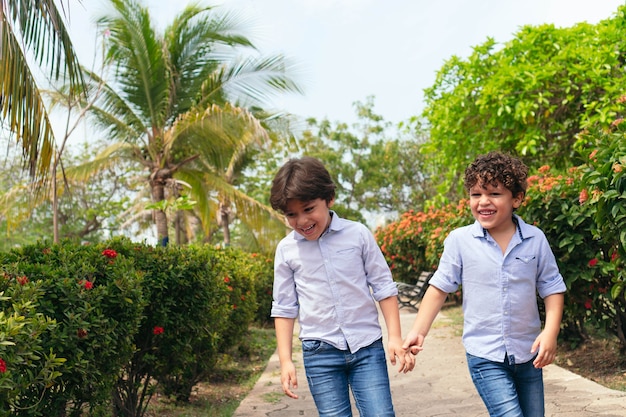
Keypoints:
pixel 499 290
pixel 332 284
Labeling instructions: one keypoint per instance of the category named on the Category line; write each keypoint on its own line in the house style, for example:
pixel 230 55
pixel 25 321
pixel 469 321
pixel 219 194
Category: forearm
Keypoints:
pixel 429 307
pixel 554 313
pixel 284 338
pixel 391 313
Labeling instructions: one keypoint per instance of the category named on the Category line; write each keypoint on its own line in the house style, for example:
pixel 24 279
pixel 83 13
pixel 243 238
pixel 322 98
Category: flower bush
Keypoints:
pixel 604 194
pixel 27 367
pixel 97 329
pixel 96 307
pixel 414 243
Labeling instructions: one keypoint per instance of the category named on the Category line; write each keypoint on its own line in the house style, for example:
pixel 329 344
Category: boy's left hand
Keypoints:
pixel 547 349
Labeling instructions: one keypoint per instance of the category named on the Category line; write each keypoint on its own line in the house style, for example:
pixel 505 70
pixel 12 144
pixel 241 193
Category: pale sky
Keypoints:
pixel 352 49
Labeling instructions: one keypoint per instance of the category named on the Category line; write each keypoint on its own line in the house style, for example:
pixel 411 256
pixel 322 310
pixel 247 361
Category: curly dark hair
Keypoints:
pixel 303 179
pixel 497 167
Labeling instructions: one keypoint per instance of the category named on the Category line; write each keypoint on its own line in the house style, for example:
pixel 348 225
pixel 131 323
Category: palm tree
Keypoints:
pixel 169 103
pixel 32 28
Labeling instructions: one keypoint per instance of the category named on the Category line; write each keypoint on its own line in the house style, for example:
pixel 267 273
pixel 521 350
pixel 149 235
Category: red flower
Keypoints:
pixel 226 279
pixel 593 262
pixel 157 330
pixel 614 256
pixel 87 284
pixel 109 253
pixel 81 333
pixel 3 366
pixel 584 196
pixel 23 280
pixel 588 304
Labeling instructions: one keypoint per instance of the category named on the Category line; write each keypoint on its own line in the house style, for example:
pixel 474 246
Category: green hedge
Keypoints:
pixel 98 328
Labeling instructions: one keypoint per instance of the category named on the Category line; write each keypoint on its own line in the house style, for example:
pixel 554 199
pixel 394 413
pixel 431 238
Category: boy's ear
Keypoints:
pixel 330 203
pixel 517 200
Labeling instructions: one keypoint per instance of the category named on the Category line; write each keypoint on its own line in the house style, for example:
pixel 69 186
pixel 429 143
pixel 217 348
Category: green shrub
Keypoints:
pixel 192 293
pixel 604 192
pixel 263 271
pixel 27 369
pixel 95 300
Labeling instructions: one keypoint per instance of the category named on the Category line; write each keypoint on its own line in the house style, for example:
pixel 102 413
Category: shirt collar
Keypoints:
pixel 523 229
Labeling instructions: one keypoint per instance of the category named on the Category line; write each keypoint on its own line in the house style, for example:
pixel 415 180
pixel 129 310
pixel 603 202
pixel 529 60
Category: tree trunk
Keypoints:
pixel 224 221
pixel 157 189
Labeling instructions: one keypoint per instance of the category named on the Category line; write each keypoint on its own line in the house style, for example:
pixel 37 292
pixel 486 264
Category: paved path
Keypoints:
pixel 439 386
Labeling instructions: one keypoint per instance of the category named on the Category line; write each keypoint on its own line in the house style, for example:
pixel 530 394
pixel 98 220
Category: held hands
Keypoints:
pixel 413 344
pixel 401 355
pixel 546 344
pixel 288 379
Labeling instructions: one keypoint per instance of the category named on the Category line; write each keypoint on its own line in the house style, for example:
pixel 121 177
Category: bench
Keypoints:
pixel 410 295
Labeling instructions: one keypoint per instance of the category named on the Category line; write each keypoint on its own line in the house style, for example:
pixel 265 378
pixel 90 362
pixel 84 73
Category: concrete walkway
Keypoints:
pixel 439 386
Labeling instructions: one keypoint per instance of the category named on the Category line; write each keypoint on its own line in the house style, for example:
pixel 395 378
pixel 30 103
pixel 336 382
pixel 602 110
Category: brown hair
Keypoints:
pixel 303 179
pixel 497 167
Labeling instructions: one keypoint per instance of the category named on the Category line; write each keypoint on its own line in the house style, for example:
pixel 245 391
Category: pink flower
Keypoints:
pixel 588 304
pixel 157 330
pixel 584 196
pixel 3 366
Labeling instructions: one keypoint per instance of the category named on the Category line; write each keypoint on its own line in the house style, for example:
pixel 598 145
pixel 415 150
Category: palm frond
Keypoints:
pixel 140 64
pixel 253 79
pixel 107 158
pixel 39 26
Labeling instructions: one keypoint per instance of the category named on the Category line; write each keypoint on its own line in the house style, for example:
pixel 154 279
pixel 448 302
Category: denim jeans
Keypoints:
pixel 331 373
pixel 508 389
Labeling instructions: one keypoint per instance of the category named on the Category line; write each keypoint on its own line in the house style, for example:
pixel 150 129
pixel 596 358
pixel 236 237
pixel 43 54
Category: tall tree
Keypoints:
pixel 178 102
pixel 32 30
pixel 530 96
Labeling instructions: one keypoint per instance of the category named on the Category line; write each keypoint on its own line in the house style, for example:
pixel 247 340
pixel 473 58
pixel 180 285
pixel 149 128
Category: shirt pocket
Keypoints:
pixel 348 260
pixel 524 266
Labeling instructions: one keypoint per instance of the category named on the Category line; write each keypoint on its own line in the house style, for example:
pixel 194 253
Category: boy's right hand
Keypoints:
pixel 288 379
pixel 413 343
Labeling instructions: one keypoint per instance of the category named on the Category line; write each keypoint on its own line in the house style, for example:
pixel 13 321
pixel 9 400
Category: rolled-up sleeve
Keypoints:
pixel 285 299
pixel 376 269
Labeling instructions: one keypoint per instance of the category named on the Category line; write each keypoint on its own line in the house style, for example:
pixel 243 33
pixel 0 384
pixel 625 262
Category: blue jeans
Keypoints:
pixel 508 389
pixel 331 372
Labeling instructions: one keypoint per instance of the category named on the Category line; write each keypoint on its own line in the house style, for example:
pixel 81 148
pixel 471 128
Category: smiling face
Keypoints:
pixel 493 206
pixel 309 218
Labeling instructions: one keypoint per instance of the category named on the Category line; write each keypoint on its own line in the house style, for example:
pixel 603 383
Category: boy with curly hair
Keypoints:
pixel 501 263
